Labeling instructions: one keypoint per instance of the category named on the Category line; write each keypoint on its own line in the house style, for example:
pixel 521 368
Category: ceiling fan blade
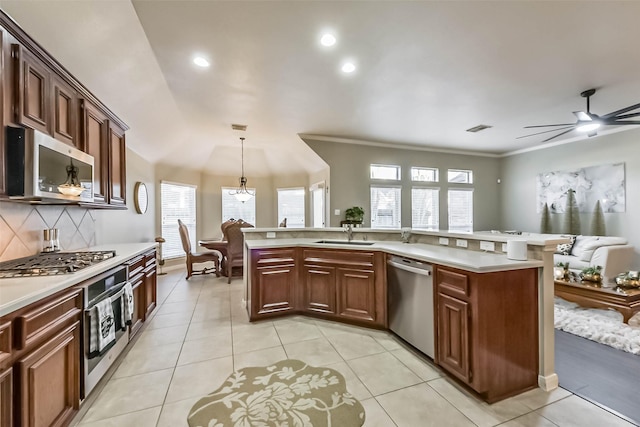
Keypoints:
pixel 555 136
pixel 544 126
pixel 626 116
pixel 582 116
pixel 544 131
pixel 624 110
pixel 623 122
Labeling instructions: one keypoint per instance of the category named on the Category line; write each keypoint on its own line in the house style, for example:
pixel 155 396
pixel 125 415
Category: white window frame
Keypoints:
pixel 435 225
pixel 417 169
pixel 397 168
pixel 468 227
pixel 467 172
pixel 172 247
pixel 241 210
pixel 397 222
pixel 288 212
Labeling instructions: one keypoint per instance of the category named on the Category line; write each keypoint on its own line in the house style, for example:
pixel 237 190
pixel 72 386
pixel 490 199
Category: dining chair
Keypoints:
pixel 235 245
pixel 195 257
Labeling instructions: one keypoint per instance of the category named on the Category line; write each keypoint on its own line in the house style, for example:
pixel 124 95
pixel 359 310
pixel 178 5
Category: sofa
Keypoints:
pixel 613 254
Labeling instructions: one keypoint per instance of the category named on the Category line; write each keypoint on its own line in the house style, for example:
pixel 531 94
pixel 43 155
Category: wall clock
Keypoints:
pixel 140 197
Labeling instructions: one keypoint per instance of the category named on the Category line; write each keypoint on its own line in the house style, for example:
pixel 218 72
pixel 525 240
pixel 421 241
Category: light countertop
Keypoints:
pixel 21 291
pixel 478 262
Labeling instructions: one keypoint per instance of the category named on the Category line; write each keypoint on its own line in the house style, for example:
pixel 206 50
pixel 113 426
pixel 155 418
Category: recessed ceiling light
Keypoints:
pixel 328 40
pixel 200 62
pixel 348 67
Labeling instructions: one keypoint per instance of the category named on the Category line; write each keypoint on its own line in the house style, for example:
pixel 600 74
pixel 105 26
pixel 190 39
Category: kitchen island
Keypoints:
pixel 491 313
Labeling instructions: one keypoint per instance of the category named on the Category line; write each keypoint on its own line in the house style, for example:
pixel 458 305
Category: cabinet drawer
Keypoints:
pixel 275 257
pixel 333 257
pixel 43 319
pixel 452 283
pixel 136 266
pixel 5 340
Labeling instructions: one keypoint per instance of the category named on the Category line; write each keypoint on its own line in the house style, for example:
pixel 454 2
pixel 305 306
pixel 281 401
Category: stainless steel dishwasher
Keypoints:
pixel 410 302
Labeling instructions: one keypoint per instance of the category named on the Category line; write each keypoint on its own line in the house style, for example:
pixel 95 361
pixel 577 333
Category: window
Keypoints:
pixel 177 202
pixel 385 207
pixel 425 212
pixel 461 210
pixel 291 206
pixel 460 176
pixel 233 208
pixel 385 172
pixel 424 174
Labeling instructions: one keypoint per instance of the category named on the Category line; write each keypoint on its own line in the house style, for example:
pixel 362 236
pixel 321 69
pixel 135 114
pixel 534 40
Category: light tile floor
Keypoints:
pixel 200 333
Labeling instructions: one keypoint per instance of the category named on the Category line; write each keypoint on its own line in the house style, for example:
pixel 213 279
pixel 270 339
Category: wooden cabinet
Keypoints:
pixel 345 285
pixel 32 90
pixel 273 282
pixel 49 383
pixel 6 397
pixel 40 380
pixel 117 165
pixel 94 129
pixel 487 329
pixel 150 283
pixel 319 283
pixel 64 98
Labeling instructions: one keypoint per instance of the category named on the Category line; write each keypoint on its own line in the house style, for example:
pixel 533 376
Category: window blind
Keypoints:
pixel 233 208
pixel 385 207
pixel 291 206
pixel 177 202
pixel 460 209
pixel 425 211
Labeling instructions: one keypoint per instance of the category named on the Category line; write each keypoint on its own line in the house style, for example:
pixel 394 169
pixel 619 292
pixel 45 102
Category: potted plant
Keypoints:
pixel 354 215
pixel 592 274
pixel 561 271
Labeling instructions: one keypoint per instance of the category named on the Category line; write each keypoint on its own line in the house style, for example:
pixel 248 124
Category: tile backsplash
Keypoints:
pixel 21 228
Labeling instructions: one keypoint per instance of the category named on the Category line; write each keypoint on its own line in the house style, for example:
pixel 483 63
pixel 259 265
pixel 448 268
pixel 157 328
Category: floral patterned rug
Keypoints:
pixel 289 393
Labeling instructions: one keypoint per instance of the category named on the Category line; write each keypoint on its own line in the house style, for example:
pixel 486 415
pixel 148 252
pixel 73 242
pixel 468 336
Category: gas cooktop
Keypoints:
pixel 51 264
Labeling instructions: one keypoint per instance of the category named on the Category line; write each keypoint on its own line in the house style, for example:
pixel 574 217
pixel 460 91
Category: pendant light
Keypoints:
pixel 241 193
pixel 71 187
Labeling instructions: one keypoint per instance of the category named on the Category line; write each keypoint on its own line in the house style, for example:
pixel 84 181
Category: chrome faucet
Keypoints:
pixel 349 231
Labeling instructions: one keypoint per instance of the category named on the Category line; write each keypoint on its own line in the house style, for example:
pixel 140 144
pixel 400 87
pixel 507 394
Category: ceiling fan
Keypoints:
pixel 590 122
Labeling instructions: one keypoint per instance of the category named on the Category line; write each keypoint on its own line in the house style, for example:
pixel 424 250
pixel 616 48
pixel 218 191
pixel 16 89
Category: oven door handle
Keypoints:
pixel 108 294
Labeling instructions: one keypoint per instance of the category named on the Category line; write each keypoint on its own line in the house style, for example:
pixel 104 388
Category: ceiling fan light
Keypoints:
pixel 588 127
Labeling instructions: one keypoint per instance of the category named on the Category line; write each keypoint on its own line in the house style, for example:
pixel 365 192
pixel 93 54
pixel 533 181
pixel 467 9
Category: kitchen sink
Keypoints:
pixel 345 242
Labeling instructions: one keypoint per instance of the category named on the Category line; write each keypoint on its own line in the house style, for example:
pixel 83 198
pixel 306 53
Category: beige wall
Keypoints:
pixel 350 183
pixel 519 173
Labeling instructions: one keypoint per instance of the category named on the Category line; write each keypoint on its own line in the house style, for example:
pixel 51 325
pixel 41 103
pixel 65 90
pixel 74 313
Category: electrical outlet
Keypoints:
pixel 271 234
pixel 443 241
pixel 461 243
pixel 487 246
pixel 504 247
pixel 336 212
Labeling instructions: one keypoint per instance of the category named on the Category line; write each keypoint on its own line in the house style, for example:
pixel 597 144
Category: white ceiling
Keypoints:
pixel 426 72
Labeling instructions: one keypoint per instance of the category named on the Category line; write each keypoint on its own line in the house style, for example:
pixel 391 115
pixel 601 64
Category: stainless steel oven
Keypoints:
pixel 108 285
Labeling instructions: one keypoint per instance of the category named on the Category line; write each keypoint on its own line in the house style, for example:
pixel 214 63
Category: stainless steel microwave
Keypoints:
pixel 41 169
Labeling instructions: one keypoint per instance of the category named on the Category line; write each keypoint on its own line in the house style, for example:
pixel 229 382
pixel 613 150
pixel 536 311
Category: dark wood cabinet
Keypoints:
pixel 64 97
pixel 32 90
pixel 319 284
pixel 356 291
pixel 49 383
pixel 117 165
pixel 273 282
pixel 487 329
pixel 150 283
pixel 345 285
pixel 6 397
pixel 94 142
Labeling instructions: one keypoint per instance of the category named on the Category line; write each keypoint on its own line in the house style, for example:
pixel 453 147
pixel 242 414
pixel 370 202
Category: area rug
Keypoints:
pixel 289 393
pixel 603 326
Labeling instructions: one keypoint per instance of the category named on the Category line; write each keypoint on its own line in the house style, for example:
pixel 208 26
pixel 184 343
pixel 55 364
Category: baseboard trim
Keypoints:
pixel 549 382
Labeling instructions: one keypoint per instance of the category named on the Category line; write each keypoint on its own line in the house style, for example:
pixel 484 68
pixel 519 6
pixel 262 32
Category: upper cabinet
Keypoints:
pixel 39 93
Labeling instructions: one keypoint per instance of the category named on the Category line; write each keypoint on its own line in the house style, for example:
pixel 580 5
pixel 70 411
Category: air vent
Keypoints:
pixel 238 127
pixel 478 128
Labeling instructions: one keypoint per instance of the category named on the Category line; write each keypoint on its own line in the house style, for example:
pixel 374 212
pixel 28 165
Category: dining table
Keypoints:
pixel 217 245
